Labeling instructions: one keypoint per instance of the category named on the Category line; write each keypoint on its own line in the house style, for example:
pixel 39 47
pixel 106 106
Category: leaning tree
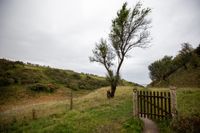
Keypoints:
pixel 130 29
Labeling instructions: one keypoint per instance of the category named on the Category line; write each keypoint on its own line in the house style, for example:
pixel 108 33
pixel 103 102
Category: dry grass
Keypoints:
pixel 91 113
pixel 45 108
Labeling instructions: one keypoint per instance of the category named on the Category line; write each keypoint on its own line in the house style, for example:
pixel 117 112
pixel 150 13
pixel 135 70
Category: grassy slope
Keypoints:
pixel 186 78
pixel 16 79
pixel 187 105
pixel 12 73
pixel 91 113
pixel 94 113
pixel 182 78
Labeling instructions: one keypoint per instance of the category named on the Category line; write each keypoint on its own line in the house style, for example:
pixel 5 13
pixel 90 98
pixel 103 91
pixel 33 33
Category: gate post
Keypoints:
pixel 135 102
pixel 174 101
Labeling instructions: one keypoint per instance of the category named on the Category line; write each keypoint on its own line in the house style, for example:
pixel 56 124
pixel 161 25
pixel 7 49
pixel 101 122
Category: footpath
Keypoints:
pixel 149 126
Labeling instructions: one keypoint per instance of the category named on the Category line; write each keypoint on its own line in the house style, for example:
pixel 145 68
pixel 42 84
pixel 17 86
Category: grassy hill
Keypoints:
pixel 34 83
pixel 182 71
pixel 189 77
pixel 18 73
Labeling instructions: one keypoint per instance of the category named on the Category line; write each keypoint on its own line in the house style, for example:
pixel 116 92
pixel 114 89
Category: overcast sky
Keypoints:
pixel 62 33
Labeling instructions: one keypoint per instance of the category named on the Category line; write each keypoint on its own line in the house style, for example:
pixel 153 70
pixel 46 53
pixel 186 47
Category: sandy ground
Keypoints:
pixel 149 126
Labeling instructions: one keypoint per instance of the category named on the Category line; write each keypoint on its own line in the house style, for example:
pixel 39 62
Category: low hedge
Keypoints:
pixel 39 87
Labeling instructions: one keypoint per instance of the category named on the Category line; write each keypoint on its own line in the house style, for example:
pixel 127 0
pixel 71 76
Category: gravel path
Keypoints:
pixel 149 126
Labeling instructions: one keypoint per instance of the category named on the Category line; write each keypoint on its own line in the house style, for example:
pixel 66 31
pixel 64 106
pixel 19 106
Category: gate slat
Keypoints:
pixel 141 104
pixel 147 94
pixel 154 102
pixel 165 102
pixel 161 94
pixel 151 104
pixel 169 104
pixel 158 106
pixel 144 106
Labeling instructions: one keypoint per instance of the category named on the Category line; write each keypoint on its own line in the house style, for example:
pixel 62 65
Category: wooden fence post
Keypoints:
pixel 135 102
pixel 71 101
pixel 173 101
pixel 33 114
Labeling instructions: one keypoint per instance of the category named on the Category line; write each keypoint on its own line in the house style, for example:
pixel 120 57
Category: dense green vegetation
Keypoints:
pixel 39 77
pixel 183 70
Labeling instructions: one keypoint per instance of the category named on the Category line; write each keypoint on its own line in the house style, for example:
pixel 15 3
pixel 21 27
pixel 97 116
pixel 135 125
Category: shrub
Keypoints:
pixel 73 85
pixel 43 87
pixel 186 124
pixel 59 76
pixel 4 81
pixel 76 76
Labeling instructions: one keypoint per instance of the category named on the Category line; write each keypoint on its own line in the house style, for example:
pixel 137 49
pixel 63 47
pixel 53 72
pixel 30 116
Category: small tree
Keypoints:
pixel 161 69
pixel 129 30
pixel 185 54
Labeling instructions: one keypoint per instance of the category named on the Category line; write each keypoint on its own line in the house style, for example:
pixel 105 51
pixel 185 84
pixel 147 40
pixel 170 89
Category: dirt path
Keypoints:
pixel 149 126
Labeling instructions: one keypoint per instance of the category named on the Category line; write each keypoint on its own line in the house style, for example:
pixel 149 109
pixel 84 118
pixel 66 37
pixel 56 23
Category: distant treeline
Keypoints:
pixel 161 69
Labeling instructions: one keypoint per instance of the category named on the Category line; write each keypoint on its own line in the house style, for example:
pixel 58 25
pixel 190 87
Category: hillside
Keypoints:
pixel 181 78
pixel 182 71
pixel 32 83
pixel 19 73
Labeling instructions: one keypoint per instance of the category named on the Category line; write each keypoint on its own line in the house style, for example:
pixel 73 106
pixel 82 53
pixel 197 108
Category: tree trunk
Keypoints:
pixel 111 93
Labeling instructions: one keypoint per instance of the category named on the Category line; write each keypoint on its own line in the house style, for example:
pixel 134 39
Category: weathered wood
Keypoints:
pixel 158 110
pixel 141 103
pixel 162 115
pixel 135 102
pixel 173 101
pixel 169 104
pixel 34 114
pixel 147 98
pixel 71 100
pixel 154 102
pixel 151 104
pixel 165 102
pixel 144 107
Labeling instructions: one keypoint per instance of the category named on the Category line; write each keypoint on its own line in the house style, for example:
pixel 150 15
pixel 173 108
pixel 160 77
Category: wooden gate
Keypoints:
pixel 154 104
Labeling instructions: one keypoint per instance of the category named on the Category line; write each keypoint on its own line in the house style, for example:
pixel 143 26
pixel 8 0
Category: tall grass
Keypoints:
pixel 188 105
pixel 91 113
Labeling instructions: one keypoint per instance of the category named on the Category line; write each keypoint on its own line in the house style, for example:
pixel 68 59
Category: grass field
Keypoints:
pixel 91 113
pixel 188 105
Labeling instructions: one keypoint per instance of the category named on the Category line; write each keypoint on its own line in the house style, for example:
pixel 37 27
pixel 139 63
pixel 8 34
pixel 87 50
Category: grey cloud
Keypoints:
pixel 62 33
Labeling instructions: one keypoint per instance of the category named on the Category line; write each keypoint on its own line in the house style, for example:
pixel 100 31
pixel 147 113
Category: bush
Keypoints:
pixel 73 85
pixel 43 87
pixel 59 76
pixel 76 76
pixel 186 124
pixel 4 81
pixel 28 76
